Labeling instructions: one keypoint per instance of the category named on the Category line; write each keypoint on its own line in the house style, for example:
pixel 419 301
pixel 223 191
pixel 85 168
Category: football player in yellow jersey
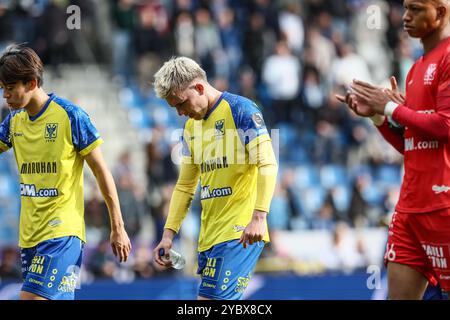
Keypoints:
pixel 226 144
pixel 51 137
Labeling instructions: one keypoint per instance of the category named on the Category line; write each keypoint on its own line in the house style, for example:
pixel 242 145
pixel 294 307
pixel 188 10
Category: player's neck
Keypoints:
pixel 214 96
pixel 432 41
pixel 37 102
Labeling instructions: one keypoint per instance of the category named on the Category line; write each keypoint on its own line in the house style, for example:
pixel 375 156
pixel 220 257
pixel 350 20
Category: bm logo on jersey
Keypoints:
pixel 51 131
pixel 220 127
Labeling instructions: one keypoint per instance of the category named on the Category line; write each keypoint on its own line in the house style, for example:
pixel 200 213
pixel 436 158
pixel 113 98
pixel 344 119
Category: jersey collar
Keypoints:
pixel 215 106
pixel 51 97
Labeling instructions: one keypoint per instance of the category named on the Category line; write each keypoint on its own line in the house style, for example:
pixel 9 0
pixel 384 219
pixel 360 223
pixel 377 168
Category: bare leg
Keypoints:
pixel 202 298
pixel 405 283
pixel 25 295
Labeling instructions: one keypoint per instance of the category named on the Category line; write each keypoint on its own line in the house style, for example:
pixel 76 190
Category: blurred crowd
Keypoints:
pixel 290 56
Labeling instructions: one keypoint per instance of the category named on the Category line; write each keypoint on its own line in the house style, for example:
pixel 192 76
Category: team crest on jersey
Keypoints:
pixel 429 74
pixel 220 127
pixel 51 132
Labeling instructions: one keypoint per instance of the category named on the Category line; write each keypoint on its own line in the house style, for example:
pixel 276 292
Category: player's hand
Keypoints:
pixel 358 106
pixel 394 94
pixel 120 243
pixel 255 230
pixel 375 97
pixel 161 252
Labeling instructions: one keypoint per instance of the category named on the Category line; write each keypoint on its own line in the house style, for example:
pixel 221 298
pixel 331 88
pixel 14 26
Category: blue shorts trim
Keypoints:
pixel 226 269
pixel 51 269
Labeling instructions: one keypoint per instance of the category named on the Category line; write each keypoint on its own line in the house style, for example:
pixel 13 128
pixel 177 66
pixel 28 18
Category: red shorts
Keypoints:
pixel 422 241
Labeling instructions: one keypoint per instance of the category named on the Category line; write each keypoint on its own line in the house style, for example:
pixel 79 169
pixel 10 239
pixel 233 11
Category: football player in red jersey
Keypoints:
pixel 418 249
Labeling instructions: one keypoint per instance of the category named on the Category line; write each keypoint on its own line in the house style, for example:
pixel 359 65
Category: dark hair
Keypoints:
pixel 20 63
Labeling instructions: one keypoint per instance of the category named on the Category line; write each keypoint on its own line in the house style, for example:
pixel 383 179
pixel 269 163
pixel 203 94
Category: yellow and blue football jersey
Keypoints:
pixel 220 144
pixel 49 149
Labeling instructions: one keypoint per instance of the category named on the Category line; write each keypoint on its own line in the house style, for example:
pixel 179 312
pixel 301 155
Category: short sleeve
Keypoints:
pixel 5 136
pixel 85 136
pixel 249 122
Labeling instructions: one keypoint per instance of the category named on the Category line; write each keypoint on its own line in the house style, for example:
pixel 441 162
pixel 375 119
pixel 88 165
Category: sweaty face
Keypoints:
pixel 189 102
pixel 421 17
pixel 16 95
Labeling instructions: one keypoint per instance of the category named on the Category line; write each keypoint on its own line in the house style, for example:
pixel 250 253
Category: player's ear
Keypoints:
pixel 32 84
pixel 442 12
pixel 200 88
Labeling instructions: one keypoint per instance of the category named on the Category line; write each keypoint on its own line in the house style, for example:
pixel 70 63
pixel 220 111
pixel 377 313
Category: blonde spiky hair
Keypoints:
pixel 176 74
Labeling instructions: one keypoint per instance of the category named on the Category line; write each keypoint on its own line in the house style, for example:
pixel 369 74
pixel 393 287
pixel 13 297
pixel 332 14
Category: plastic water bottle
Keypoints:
pixel 178 261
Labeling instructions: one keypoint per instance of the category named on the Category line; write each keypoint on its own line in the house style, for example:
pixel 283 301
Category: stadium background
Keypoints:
pixel 338 180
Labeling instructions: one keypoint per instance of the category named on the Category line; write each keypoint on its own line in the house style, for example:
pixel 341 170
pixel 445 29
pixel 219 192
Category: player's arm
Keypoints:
pixel 180 202
pixel 431 125
pixel 266 180
pixel 5 141
pixel 393 136
pixel 255 137
pixel 120 242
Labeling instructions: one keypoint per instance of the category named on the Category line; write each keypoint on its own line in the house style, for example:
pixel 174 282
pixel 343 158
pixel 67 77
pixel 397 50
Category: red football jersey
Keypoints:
pixel 426 116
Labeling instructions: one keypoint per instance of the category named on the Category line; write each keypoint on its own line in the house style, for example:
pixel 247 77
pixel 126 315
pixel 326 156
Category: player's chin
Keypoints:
pixel 413 33
pixel 14 106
